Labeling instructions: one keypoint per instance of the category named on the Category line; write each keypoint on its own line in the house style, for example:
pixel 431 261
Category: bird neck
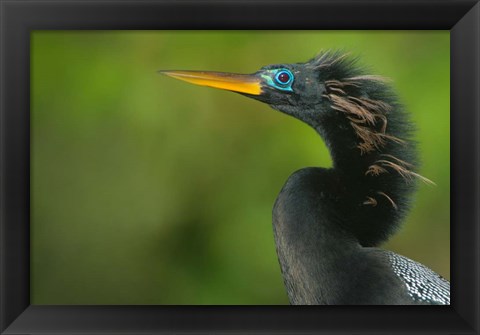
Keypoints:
pixel 374 172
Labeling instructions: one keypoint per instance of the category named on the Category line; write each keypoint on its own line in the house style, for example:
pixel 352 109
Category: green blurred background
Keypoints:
pixel 149 190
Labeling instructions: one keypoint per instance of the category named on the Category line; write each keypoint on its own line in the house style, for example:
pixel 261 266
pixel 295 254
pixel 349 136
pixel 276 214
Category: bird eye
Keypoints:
pixel 284 77
pixel 281 79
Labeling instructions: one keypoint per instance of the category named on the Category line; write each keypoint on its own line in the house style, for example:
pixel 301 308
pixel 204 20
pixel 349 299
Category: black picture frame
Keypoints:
pixel 19 17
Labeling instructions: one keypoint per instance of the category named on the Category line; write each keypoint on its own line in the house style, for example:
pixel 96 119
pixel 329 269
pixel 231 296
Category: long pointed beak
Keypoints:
pixel 242 83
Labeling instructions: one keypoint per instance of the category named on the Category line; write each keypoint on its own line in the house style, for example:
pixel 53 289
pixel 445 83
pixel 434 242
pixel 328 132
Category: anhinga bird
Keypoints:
pixel 328 222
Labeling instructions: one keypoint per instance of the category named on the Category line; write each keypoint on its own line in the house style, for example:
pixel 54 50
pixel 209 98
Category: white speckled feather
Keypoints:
pixel 423 284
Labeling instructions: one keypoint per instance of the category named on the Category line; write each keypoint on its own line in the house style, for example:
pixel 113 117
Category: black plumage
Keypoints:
pixel 328 223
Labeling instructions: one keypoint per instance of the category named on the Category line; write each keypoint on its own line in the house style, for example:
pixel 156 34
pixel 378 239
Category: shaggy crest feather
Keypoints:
pixel 368 117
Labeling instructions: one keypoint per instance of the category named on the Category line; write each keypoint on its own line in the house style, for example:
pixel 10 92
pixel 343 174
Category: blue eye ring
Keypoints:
pixel 281 73
pixel 272 78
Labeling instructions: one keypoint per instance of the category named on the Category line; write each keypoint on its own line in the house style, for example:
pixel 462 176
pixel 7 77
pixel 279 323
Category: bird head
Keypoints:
pixel 331 93
pixel 296 89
